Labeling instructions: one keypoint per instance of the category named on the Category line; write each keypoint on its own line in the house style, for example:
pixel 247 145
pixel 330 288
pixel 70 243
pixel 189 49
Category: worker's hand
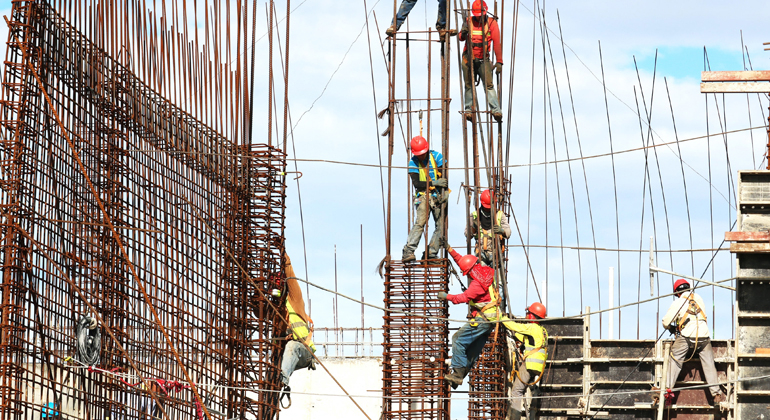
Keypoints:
pixel 498 230
pixel 672 329
pixel 464 30
pixel 442 295
pixel 499 68
pixel 441 183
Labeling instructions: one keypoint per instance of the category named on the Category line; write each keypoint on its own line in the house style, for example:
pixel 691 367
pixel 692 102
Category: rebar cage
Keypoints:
pixel 120 205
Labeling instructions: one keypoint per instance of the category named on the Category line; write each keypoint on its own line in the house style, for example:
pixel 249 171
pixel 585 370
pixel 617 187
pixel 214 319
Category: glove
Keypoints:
pixel 499 68
pixel 464 30
pixel 672 329
pixel 441 183
pixel 442 295
pixel 498 230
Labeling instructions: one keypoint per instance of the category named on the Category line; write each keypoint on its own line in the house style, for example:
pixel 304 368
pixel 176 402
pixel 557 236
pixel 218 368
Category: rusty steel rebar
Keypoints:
pixel 174 251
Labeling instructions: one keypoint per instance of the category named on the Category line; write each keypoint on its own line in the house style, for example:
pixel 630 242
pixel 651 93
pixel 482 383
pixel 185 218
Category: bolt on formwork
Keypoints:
pixel 125 207
pixel 416 348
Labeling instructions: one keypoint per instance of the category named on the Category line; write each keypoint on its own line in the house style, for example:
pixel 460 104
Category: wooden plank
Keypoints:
pixel 750 247
pixel 748 236
pixel 735 76
pixel 735 87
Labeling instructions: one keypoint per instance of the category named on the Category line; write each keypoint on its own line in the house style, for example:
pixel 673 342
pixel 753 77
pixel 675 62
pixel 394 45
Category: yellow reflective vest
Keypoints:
pixel 484 237
pixel 535 339
pixel 299 329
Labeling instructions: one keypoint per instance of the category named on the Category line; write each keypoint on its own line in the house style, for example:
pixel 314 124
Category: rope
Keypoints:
pixel 89 340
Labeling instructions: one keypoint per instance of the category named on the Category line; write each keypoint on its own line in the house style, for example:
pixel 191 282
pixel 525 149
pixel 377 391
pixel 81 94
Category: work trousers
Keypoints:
pixel 682 349
pixel 437 206
pixel 406 7
pixel 468 342
pixel 295 356
pixel 484 69
pixel 520 384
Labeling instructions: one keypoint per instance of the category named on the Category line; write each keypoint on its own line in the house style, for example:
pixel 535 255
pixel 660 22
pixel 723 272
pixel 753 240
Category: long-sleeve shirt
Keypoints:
pixel 696 326
pixel 478 291
pixel 503 224
pixel 493 39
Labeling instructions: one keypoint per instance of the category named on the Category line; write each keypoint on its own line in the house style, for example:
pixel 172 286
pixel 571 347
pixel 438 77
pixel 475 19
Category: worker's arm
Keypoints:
pixel 474 291
pixel 418 185
pixel 494 33
pixel 672 315
pixel 527 328
pixel 506 227
pixel 463 31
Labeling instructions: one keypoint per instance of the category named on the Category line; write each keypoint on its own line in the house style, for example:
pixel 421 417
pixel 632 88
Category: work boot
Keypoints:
pixel 391 30
pixel 498 115
pixel 456 377
pixel 408 257
pixel 468 115
pixel 719 398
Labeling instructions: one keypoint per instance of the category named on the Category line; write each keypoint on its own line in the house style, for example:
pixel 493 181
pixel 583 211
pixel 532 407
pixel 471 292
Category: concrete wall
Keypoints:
pixel 360 377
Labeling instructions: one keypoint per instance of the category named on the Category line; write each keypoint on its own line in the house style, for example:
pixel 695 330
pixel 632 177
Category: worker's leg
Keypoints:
pixel 707 362
pixel 679 351
pixel 420 218
pixel 469 84
pixel 485 256
pixel 403 12
pixel 485 72
pixel 465 348
pixel 437 207
pixel 519 386
pixel 441 19
pixel 295 356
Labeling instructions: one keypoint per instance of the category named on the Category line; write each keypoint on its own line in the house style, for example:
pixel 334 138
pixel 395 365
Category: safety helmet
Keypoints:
pixel 466 263
pixel 419 145
pixel 479 8
pixel 537 309
pixel 486 199
pixel 681 285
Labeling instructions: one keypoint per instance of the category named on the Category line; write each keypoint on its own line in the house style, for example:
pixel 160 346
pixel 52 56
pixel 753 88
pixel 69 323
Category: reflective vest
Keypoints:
pixel 535 349
pixel 485 237
pixel 694 313
pixel 425 171
pixel 480 37
pixel 299 328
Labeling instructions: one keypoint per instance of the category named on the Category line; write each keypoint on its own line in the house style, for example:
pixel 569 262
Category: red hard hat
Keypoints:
pixel 679 283
pixel 419 145
pixel 486 199
pixel 537 309
pixel 479 8
pixel 466 263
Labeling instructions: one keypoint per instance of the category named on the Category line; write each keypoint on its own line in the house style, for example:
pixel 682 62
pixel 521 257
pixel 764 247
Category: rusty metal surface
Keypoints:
pixel 126 198
pixel 415 348
pixel 487 381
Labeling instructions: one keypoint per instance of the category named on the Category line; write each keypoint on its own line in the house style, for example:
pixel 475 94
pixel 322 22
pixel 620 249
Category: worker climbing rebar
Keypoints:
pixel 483 33
pixel 484 302
pixel 686 319
pixel 531 353
pixel 484 228
pixel 430 195
pixel 297 353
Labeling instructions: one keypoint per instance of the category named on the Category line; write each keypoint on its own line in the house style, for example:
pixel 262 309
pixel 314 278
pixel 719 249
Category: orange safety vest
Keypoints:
pixel 480 38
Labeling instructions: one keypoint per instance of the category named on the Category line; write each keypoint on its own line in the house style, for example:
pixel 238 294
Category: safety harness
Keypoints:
pixel 485 237
pixel 480 36
pixel 534 357
pixel 693 311
pixel 425 172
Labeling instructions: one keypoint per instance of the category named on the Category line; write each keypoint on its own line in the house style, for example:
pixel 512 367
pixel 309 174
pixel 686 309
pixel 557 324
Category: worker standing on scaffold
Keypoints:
pixel 406 7
pixel 484 301
pixel 483 227
pixel 482 32
pixel 425 165
pixel 531 354
pixel 686 319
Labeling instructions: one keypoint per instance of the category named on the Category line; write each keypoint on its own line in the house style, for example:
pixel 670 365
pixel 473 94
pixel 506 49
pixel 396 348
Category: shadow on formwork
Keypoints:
pixel 119 206
pixel 415 345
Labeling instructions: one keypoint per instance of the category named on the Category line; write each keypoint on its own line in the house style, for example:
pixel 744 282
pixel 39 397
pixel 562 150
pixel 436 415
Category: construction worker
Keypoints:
pixel 484 230
pixel 406 7
pixel 531 353
pixel 482 32
pixel 483 299
pixel 686 319
pixel 425 166
pixel 298 353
